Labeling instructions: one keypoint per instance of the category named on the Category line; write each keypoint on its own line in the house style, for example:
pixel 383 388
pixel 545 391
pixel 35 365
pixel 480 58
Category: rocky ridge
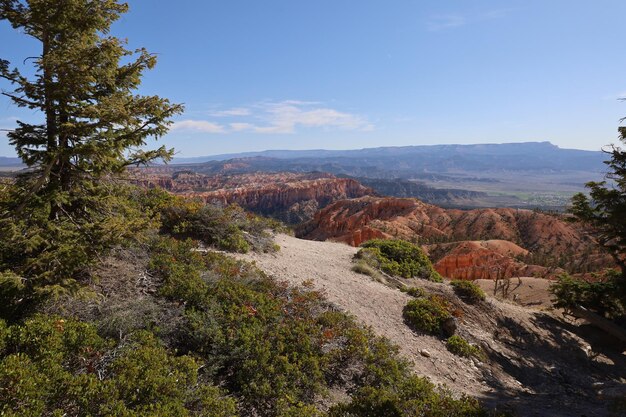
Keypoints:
pixel 290 197
pixel 462 243
pixel 488 259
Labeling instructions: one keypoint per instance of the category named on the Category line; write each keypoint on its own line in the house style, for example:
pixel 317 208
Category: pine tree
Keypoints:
pixel 605 208
pixel 92 117
pixel 64 210
pixel 604 213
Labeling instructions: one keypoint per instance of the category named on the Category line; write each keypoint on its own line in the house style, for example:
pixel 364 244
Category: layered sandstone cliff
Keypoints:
pixel 482 243
pixel 294 200
pixel 291 197
pixel 490 259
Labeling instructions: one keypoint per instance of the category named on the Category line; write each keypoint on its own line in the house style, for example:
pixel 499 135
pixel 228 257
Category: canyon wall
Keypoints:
pixel 290 197
pixel 471 244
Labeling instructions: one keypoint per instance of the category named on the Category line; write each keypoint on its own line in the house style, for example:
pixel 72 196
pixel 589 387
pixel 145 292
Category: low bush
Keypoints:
pixel 413 396
pixel 461 347
pixel 414 291
pixel 606 298
pixel 117 319
pixel 279 349
pixel 178 266
pixel 468 291
pixel 229 228
pixel 399 258
pixel 54 256
pixel 52 366
pixel 427 314
pixel 14 298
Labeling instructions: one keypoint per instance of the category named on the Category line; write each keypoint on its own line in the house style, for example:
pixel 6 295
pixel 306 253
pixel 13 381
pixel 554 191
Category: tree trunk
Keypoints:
pixel 600 322
pixel 51 129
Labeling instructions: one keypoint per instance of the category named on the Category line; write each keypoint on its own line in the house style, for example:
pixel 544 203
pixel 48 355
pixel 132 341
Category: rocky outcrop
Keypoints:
pixel 291 197
pixel 491 259
pixel 297 199
pixel 532 238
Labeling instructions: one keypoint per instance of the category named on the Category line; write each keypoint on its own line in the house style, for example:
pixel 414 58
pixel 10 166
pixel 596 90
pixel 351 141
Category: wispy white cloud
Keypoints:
pixel 441 22
pixel 240 126
pixel 236 111
pixel 278 117
pixel 197 126
pixel 494 14
pixel 286 116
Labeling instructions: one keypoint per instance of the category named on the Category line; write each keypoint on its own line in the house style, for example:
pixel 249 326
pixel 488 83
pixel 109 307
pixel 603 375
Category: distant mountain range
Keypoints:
pixel 10 162
pixel 526 156
pixel 439 163
pixel 434 158
pixel 530 174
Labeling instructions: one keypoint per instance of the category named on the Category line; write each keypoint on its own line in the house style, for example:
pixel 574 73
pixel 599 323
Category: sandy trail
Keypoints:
pixel 327 265
pixel 551 358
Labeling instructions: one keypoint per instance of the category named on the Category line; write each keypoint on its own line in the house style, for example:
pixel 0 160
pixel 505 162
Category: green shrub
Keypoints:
pixel 468 291
pixel 179 267
pixel 229 228
pixel 13 296
pixel 258 338
pixel 605 298
pixel 412 396
pixel 117 319
pixel 52 255
pixel 461 347
pixel 399 258
pixel 54 366
pixel 414 291
pixel 427 314
pixel 279 349
pixel 261 341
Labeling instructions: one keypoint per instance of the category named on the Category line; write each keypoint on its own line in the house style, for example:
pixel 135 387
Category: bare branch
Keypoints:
pixel 21 100
pixel 29 57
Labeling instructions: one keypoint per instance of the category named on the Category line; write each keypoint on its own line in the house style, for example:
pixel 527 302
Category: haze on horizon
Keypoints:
pixel 348 75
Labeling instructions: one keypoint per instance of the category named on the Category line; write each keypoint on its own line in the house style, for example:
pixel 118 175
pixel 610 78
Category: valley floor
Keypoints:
pixel 538 364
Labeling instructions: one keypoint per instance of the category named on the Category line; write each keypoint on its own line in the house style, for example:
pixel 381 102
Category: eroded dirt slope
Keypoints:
pixel 538 364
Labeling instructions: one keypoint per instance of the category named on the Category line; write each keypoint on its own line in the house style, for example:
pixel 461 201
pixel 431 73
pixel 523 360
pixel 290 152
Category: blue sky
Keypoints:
pixel 343 74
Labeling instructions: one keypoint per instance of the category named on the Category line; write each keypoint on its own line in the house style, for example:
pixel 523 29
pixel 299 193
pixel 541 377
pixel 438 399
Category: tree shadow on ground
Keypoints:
pixel 559 367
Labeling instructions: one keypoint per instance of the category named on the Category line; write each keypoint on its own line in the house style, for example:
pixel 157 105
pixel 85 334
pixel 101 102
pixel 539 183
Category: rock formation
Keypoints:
pixel 291 197
pixel 472 244
pixel 490 259
pixel 292 200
